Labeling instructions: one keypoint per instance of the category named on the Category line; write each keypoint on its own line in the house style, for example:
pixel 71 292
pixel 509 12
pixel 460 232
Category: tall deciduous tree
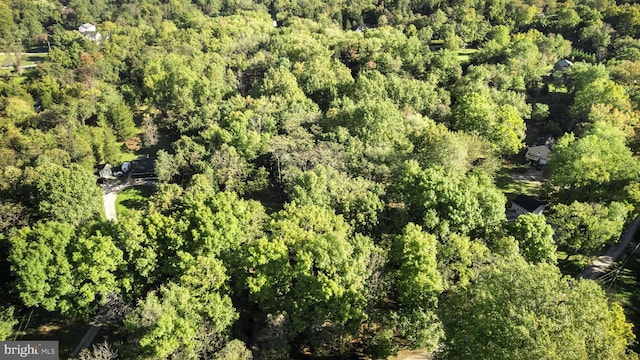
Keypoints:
pixel 518 310
pixel 477 113
pixel 418 281
pixel 174 322
pixel 459 260
pixel 7 322
pixel 595 167
pixel 41 265
pixel 67 194
pixel 60 270
pixel 445 202
pixel 312 267
pixel 535 238
pixel 357 199
pixel 587 227
pixel 601 91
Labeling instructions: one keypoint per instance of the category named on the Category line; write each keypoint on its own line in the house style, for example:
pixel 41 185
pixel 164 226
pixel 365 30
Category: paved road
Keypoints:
pixel 87 339
pixel 602 263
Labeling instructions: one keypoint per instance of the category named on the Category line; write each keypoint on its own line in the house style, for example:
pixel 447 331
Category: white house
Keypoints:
pixel 106 172
pixel 90 32
pixel 539 154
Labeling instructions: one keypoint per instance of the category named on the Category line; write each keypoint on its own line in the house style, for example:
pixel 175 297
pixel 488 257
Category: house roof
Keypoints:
pixel 527 202
pixel 562 64
pixel 143 167
pixel 538 151
pixel 87 28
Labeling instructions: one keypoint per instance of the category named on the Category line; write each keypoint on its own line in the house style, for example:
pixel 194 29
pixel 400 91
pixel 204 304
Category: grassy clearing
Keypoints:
pixel 127 156
pixel 553 88
pixel 572 265
pixel 511 187
pixel 464 55
pixel 133 198
pixel 7 59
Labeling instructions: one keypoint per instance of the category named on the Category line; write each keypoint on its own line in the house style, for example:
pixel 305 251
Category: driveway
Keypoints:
pixel 109 196
pixel 532 175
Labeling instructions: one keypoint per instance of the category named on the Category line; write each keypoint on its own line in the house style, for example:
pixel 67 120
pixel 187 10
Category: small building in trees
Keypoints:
pixel 90 32
pixel 143 168
pixel 524 204
pixel 106 172
pixel 538 154
pixel 562 65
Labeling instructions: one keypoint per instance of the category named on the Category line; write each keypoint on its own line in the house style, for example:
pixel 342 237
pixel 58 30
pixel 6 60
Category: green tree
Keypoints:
pixel 121 118
pixel 585 227
pixel 459 152
pixel 312 267
pixel 418 283
pixel 67 194
pixel 94 262
pixel 535 238
pixel 418 280
pixel 60 269
pixel 478 114
pixel 445 202
pixel 596 167
pixel 40 262
pixel 234 350
pixel 599 92
pixel 582 75
pixel 459 259
pixel 174 322
pixel 357 199
pixel 526 311
pixel 139 255
pixel 7 322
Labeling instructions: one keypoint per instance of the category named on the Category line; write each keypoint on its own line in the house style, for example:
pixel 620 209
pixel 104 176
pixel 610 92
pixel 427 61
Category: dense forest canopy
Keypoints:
pixel 325 175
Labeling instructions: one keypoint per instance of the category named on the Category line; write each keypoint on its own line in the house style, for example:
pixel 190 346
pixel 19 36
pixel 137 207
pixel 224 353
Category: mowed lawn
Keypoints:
pixel 512 187
pixel 8 59
pixel 133 198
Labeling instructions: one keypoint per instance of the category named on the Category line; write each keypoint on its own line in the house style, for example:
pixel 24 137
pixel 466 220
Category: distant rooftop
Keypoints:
pixel 90 32
pixel 87 28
